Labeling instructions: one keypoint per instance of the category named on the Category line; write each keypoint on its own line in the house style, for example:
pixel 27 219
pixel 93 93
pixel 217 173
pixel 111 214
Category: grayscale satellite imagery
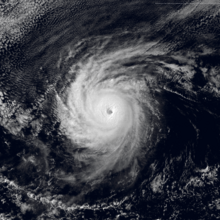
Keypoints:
pixel 109 109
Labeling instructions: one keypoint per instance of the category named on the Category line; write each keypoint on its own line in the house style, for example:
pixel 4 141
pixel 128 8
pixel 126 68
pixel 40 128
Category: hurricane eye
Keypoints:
pixel 109 111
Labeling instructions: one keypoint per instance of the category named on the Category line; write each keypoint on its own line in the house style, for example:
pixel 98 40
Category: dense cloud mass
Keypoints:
pixel 109 109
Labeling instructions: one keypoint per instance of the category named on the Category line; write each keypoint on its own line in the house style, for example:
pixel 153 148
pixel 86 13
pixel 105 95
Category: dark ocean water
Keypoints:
pixel 109 110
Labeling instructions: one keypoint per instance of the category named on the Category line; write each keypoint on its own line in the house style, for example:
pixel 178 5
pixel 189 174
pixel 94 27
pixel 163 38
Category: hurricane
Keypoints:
pixel 106 113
